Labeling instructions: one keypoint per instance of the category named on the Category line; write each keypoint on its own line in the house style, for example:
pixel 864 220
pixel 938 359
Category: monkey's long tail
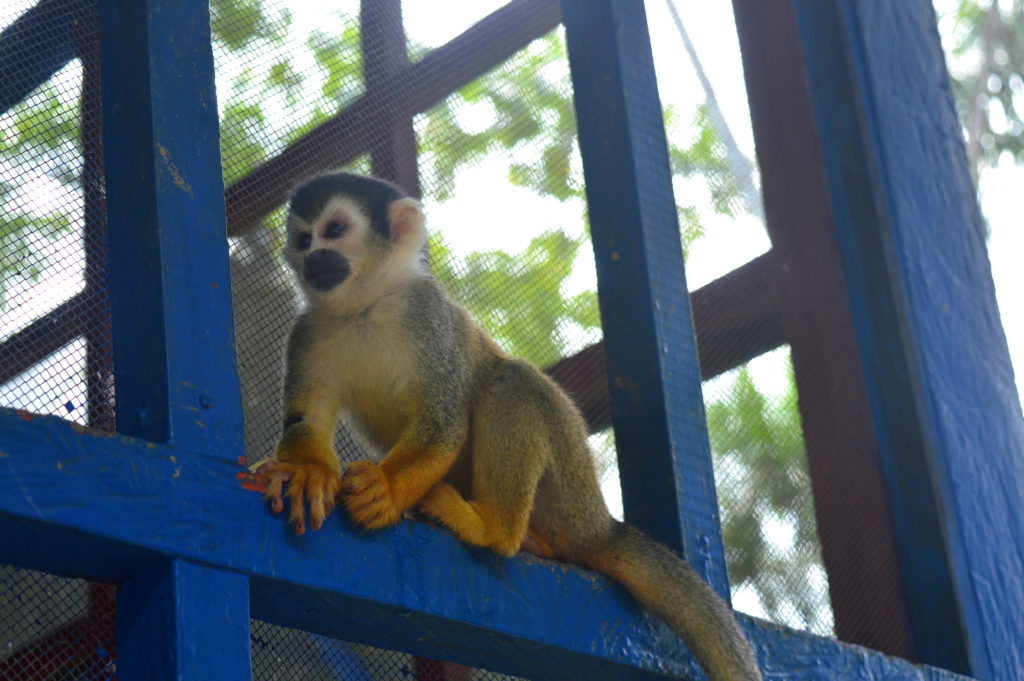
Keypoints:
pixel 664 584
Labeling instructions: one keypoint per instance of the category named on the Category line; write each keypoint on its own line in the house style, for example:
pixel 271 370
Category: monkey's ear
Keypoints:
pixel 406 217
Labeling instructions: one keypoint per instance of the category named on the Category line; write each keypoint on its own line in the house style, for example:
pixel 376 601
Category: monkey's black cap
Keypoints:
pixel 375 195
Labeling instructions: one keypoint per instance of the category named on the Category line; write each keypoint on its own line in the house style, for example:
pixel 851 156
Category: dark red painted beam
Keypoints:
pixel 99 342
pixel 84 647
pixel 736 318
pixel 43 337
pixel 392 146
pixel 854 523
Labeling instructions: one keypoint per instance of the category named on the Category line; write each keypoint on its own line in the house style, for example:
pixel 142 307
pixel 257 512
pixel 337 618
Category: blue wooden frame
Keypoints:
pixel 668 484
pixel 921 294
pixel 163 509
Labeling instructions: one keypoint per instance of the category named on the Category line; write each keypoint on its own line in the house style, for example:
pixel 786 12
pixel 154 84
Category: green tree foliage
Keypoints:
pixel 530 118
pixel 985 40
pixel 38 138
pixel 521 112
pixel 269 101
pixel 533 325
pixel 756 440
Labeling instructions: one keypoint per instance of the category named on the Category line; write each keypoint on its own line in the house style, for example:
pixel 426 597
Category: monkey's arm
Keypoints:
pixel 305 457
pixel 377 495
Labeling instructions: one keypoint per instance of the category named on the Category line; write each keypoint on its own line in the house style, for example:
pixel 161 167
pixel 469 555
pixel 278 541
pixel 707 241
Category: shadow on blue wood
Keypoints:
pixel 169 612
pixel 108 507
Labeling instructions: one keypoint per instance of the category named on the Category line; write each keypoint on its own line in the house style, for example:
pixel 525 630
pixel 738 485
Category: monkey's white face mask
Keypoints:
pixel 343 262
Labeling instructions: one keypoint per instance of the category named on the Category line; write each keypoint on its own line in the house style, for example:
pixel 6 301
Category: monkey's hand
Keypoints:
pixel 367 495
pixel 310 470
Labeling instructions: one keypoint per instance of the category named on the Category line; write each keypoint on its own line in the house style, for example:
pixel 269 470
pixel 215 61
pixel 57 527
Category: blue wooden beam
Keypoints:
pixel 112 508
pixel 668 487
pixel 35 46
pixel 178 621
pixel 170 294
pixel 171 317
pixel 941 385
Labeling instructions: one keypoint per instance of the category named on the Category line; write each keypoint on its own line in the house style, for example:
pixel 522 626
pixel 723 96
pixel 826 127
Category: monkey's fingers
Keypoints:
pixel 297 501
pixel 360 476
pixel 276 474
pixel 320 490
pixel 366 494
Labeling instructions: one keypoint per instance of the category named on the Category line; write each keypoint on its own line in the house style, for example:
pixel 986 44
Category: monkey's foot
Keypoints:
pixel 532 543
pixel 367 496
pixel 306 482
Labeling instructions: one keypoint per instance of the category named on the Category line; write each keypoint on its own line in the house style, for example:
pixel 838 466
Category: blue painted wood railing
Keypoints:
pixel 162 507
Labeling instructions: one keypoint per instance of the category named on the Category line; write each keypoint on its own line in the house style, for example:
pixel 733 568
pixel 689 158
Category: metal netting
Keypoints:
pixel 492 151
pixel 55 344
pixel 55 629
pixel 281 654
pixel 773 552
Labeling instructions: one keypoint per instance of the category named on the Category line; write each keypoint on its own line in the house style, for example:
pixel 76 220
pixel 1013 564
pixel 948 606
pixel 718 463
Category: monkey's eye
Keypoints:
pixel 303 240
pixel 334 230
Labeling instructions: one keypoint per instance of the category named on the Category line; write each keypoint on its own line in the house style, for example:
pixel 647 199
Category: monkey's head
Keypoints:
pixel 350 238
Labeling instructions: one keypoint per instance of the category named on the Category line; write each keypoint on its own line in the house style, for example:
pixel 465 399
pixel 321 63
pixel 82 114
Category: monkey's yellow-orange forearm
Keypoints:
pixel 411 469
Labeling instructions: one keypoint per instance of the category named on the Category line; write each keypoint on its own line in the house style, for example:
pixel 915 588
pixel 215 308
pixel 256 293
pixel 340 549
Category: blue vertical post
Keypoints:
pixel 951 434
pixel 179 621
pixel 665 465
pixel 171 313
pixel 170 295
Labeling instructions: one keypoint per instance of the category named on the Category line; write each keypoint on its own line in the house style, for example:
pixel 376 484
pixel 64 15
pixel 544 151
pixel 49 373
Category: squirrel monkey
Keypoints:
pixel 485 444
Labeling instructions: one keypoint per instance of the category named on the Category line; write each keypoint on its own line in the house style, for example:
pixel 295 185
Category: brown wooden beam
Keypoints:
pixel 392 145
pixel 409 91
pixel 736 318
pixel 854 523
pixel 43 337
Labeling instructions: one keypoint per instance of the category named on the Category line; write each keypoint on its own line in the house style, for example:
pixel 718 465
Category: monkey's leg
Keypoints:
pixel 510 454
pixel 377 495
pixel 481 523
pixel 305 459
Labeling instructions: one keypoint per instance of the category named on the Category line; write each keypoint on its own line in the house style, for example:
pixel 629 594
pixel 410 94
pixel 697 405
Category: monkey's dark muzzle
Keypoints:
pixel 325 269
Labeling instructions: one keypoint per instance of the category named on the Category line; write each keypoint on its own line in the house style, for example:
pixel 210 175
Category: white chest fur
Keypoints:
pixel 368 361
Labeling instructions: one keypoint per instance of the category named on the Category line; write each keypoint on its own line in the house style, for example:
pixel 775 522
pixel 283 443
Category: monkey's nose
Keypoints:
pixel 324 269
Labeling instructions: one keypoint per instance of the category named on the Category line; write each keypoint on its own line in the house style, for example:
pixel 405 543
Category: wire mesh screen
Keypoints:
pixel 55 345
pixel 280 654
pixel 764 490
pixel 52 628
